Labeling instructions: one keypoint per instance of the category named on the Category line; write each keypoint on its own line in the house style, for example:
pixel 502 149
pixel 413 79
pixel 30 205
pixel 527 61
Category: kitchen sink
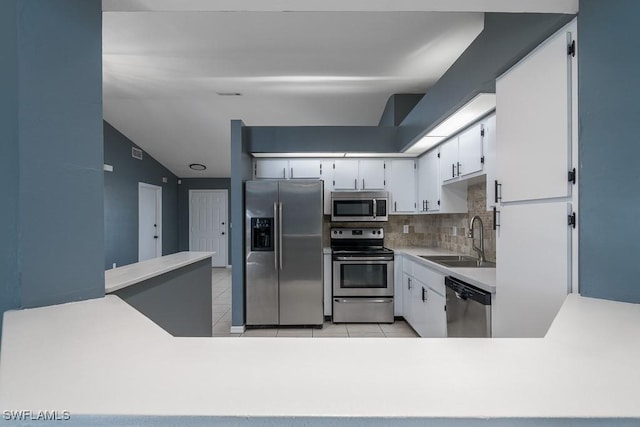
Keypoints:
pixel 458 261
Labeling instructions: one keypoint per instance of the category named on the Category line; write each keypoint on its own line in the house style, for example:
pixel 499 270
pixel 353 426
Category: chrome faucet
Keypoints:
pixel 479 250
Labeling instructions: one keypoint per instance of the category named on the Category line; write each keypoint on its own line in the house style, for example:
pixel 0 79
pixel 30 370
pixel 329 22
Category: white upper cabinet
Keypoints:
pixel 449 160
pixel 429 182
pixel 305 168
pixel 345 174
pixel 271 168
pixel 533 127
pixel 402 185
pixel 326 174
pixel 364 174
pixel 489 150
pixel 470 158
pixel 371 174
pixel 461 155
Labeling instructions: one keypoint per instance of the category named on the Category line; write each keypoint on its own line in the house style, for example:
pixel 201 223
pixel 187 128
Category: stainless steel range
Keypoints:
pixel 362 276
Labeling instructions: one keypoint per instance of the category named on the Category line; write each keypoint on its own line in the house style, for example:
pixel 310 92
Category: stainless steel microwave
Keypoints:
pixel 360 206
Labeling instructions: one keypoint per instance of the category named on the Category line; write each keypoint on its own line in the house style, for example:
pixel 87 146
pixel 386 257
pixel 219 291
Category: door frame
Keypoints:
pixel 225 193
pixel 158 191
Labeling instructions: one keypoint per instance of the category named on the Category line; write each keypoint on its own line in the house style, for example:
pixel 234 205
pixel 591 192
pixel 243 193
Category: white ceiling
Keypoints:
pixel 162 71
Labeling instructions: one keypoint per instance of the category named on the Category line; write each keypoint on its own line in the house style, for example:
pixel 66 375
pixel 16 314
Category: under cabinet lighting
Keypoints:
pixel 314 155
pixel 481 105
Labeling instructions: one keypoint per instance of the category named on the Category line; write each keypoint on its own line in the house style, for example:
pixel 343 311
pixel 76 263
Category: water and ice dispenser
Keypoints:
pixel 262 234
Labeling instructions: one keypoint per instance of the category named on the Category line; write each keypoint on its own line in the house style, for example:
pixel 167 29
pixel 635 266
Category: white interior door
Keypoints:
pixel 208 224
pixel 149 221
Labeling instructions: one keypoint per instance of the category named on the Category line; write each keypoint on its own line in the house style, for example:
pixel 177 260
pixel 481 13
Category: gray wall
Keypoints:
pixel 60 161
pixel 283 139
pixel 398 107
pixel 9 157
pixel 506 38
pixel 121 200
pixel 240 172
pixel 187 184
pixel 609 176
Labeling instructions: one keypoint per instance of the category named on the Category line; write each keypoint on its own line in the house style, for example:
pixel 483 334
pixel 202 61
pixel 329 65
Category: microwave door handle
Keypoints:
pixel 375 208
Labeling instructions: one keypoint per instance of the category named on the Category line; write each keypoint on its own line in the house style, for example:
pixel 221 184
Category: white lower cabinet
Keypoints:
pixel 423 299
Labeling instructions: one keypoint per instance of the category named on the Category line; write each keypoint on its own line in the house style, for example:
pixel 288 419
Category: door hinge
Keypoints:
pixel 572 176
pixel 414 165
pixel 384 166
pixel 384 182
pixel 438 155
pixel 438 202
pixel 571 49
pixel 572 220
pixel 334 165
pixel 482 160
pixel 334 182
pixel 481 131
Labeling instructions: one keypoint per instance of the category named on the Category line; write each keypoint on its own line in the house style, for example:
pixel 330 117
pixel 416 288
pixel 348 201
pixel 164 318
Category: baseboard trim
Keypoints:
pixel 237 329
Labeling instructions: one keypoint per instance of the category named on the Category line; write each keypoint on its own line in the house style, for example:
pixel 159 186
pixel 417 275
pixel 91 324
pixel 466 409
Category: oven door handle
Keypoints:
pixel 354 258
pixel 367 300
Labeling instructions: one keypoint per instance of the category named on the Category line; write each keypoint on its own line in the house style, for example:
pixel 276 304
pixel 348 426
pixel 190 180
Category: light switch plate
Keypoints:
pixel 405 229
pixel 455 230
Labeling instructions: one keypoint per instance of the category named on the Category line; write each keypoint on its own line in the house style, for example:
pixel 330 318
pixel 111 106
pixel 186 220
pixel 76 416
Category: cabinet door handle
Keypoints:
pixel 409 283
pixel 291 176
pixel 424 294
pixel 395 206
pixel 355 184
pixel 363 187
pixel 495 191
pixel 459 164
pixel 427 205
pixel 453 170
pixel 284 173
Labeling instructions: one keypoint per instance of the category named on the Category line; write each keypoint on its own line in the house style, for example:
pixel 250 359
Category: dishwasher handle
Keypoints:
pixel 466 291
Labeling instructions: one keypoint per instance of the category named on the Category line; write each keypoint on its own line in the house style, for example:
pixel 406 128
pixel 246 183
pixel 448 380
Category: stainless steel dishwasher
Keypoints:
pixel 468 310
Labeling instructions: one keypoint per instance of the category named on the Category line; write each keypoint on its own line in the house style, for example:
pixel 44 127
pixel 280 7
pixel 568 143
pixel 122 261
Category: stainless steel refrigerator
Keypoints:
pixel 283 247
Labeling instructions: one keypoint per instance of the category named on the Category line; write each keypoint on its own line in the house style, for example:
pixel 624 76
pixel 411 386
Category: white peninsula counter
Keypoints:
pixel 107 364
pixel 174 291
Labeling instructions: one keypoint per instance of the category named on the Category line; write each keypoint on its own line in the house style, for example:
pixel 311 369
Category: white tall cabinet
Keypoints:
pixel 535 152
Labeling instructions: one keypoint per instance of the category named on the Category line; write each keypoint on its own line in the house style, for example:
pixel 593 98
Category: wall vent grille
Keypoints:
pixel 136 153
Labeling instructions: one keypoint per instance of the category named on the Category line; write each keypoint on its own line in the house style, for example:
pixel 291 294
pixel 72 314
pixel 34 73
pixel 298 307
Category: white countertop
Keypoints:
pixel 103 357
pixel 483 278
pixel 121 277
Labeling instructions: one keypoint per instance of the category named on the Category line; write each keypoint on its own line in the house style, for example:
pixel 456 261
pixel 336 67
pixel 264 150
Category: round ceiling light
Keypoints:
pixel 197 166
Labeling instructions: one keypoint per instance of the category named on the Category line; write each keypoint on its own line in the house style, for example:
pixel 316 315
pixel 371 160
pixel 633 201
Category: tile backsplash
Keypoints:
pixel 436 230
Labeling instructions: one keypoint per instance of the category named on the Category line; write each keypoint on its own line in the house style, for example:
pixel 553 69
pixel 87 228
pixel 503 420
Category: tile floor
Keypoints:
pixel 221 293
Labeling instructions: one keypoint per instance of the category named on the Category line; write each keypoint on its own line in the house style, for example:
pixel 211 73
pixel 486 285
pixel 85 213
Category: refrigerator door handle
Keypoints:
pixel 280 233
pixel 275 235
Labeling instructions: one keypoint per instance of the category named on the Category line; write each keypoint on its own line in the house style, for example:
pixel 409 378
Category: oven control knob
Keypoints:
pixel 335 232
pixel 340 232
pixel 379 232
